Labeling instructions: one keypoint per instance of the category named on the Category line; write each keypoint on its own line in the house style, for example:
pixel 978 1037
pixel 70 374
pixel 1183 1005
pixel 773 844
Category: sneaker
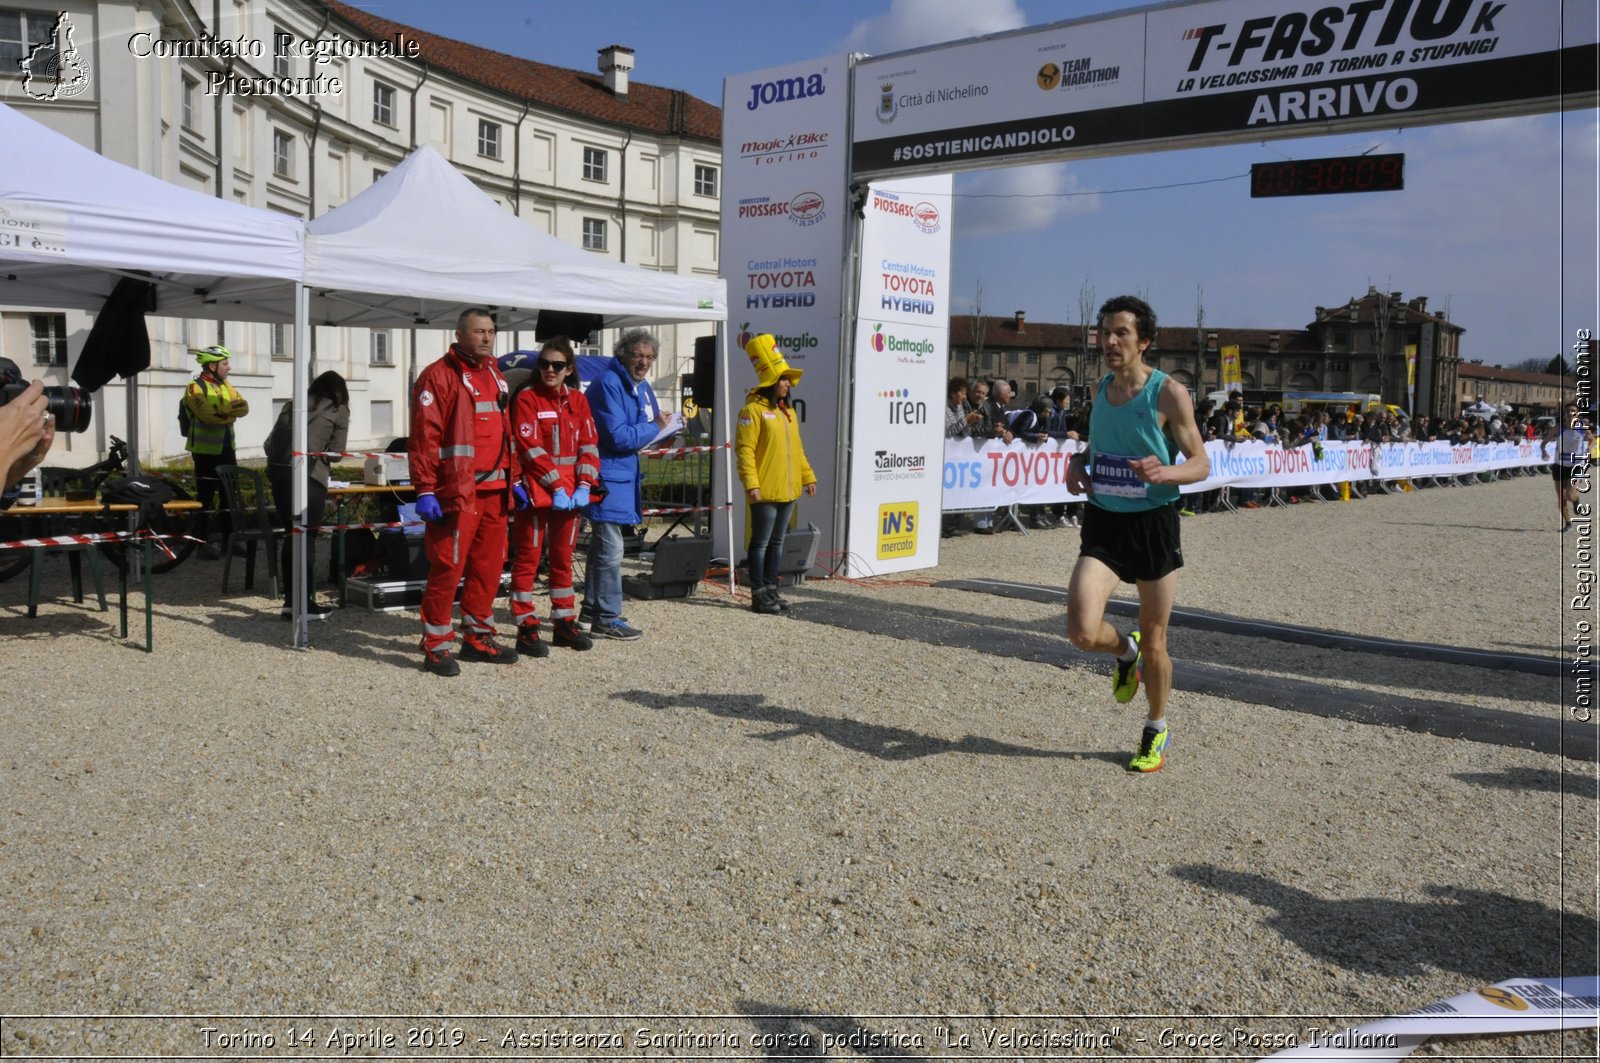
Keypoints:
pixel 314 611
pixel 618 629
pixel 440 662
pixel 783 603
pixel 528 643
pixel 485 648
pixel 1125 684
pixel 569 634
pixel 1153 746
pixel 585 619
pixel 1185 512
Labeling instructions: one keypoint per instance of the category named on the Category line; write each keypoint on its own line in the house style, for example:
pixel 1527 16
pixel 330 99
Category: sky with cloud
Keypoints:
pixel 1497 224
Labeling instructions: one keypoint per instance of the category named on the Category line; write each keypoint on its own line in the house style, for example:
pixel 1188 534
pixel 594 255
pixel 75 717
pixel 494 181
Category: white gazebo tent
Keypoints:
pixel 423 242
pixel 74 223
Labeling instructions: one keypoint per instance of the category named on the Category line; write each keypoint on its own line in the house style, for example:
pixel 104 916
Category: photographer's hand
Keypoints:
pixel 26 432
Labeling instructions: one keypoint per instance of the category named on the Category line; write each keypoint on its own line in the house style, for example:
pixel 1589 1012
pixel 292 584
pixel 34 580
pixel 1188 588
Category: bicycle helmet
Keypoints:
pixel 212 354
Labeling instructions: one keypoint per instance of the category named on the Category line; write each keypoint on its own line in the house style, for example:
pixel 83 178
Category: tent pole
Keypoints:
pixel 298 464
pixel 727 451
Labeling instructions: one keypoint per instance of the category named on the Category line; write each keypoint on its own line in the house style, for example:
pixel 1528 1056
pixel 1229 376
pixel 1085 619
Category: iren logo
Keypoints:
pixel 795 88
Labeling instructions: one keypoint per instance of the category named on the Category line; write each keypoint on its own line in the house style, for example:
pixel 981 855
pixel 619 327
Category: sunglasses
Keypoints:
pixel 544 364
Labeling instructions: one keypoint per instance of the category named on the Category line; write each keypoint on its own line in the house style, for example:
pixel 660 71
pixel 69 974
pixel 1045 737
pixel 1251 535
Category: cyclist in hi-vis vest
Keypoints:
pixel 213 407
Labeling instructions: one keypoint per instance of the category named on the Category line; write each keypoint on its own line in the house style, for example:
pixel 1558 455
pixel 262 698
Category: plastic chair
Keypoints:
pixel 252 524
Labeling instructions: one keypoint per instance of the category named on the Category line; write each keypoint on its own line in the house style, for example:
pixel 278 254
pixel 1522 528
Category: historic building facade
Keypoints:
pixel 299 105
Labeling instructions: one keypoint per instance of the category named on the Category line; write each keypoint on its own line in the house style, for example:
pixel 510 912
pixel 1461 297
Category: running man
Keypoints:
pixel 1573 440
pixel 1140 420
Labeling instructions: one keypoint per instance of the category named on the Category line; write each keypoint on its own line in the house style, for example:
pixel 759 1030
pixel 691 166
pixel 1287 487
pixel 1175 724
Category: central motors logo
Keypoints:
pixel 897 530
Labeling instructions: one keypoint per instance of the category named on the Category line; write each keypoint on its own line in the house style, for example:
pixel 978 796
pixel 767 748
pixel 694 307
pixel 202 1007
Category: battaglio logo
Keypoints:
pixel 878 338
pixel 881 341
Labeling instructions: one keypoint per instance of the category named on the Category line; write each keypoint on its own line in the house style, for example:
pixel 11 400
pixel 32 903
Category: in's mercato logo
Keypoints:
pixel 897 530
pixel 903 409
pixel 54 68
pixel 783 91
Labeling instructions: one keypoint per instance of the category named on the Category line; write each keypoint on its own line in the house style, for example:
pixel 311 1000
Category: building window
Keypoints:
pixel 1306 366
pixel 1033 358
pixel 594 234
pixel 190 86
pixel 383 104
pixel 488 138
pixel 282 153
pixel 705 180
pixel 49 338
pixel 20 31
pixel 379 351
pixel 1340 366
pixel 594 164
pixel 278 344
pixel 281 44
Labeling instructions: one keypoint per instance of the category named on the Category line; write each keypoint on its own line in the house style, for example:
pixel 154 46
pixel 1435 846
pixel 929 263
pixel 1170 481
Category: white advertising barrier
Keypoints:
pixel 902 353
pixel 996 474
pixel 785 216
pixel 1515 1006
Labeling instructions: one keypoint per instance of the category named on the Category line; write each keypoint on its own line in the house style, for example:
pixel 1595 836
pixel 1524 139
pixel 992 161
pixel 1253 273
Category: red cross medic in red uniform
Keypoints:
pixel 460 456
pixel 559 459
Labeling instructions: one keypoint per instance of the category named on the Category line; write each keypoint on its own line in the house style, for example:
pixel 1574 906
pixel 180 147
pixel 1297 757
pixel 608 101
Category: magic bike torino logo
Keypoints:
pixel 897 530
pixel 796 147
pixel 54 68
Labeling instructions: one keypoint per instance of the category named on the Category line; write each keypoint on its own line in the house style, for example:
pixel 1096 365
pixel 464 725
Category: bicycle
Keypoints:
pixel 85 484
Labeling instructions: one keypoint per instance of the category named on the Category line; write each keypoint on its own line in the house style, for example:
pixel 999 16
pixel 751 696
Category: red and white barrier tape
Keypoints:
pixel 95 538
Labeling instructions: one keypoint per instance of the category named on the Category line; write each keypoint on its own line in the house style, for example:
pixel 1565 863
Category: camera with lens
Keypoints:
pixel 71 407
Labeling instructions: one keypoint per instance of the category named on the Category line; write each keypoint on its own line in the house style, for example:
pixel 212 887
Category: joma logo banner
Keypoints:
pixel 784 90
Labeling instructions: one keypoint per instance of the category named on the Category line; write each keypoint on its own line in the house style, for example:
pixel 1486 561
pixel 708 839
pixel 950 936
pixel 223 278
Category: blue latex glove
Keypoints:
pixel 580 497
pixel 561 500
pixel 428 508
pixel 519 496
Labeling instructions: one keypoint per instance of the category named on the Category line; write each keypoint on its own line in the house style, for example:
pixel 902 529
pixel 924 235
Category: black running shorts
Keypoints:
pixel 1136 546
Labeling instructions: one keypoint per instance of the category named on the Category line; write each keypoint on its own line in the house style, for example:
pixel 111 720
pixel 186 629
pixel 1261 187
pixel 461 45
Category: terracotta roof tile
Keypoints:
pixel 665 112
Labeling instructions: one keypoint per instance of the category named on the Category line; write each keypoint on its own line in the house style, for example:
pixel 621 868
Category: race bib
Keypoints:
pixel 1112 475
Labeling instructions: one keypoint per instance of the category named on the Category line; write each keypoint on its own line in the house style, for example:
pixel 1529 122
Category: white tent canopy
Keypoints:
pixel 73 223
pixel 431 242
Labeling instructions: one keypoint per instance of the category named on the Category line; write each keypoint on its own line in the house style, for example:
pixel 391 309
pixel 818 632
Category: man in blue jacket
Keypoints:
pixel 628 418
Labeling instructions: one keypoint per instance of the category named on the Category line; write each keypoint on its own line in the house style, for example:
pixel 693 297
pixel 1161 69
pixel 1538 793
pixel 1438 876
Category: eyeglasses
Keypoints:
pixel 546 365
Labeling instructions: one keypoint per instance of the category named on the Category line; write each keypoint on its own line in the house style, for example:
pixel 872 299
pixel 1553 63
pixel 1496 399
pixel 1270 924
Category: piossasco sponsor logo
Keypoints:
pixel 897 530
pixel 786 90
pixel 804 210
pixel 924 215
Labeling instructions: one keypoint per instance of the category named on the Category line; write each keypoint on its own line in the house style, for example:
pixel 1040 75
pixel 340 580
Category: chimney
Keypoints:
pixel 615 63
pixel 1272 343
pixel 1022 320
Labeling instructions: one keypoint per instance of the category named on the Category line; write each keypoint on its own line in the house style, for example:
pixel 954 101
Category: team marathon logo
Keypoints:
pixel 1074 74
pixel 54 69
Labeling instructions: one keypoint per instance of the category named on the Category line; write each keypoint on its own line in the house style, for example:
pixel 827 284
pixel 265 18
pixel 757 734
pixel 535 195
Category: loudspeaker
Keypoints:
pixel 574 326
pixel 704 379
pixel 799 552
pixel 679 566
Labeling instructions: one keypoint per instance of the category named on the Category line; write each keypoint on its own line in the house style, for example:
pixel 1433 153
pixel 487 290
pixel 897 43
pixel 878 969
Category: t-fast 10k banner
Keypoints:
pixel 785 216
pixel 901 352
pixel 1223 71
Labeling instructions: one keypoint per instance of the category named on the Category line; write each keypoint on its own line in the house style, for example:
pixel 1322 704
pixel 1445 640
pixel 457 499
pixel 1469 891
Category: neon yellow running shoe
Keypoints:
pixel 1125 683
pixel 1153 746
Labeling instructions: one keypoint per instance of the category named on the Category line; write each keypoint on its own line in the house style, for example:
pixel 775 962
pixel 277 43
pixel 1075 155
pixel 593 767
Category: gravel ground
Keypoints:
pixel 793 836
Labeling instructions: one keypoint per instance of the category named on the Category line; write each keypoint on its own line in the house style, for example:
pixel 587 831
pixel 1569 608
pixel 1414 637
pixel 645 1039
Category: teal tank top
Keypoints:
pixel 1120 433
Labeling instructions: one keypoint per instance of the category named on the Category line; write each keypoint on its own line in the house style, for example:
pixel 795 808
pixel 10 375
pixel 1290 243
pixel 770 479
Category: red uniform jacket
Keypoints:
pixel 456 447
pixel 555 441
